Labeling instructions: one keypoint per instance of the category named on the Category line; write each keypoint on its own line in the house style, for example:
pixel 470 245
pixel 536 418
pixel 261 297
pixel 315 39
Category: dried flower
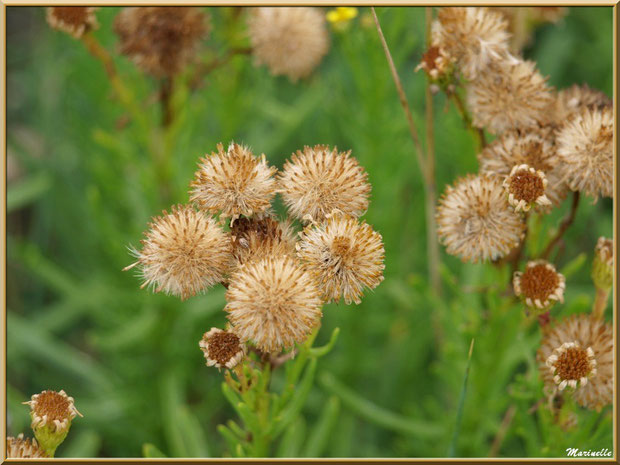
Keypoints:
pixel 436 62
pixel 473 36
pixel 345 255
pixel 526 187
pixel 257 238
pixel 584 349
pixel 540 285
pixel 184 253
pixel 74 20
pixel 603 264
pixel 274 303
pixel 573 100
pixel 318 180
pixel 233 182
pixel 160 40
pixel 535 148
pixel 586 152
pixel 522 21
pixel 51 413
pixel 288 40
pixel 221 348
pixel 509 94
pixel 475 221
pixel 20 448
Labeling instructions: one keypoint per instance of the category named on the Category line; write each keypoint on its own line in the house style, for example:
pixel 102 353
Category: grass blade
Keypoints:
pixel 459 411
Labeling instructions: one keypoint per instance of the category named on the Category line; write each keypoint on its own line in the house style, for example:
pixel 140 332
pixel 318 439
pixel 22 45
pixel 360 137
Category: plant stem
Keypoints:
pixel 165 96
pixel 477 132
pixel 564 225
pixel 600 303
pixel 519 253
pixel 503 429
pixel 205 69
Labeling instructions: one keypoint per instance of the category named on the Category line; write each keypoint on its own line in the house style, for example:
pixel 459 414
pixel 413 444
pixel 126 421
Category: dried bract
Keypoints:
pixel 526 187
pixel 52 409
pixel 540 285
pixel 221 349
pixel 20 448
pixel 74 20
pixel 257 238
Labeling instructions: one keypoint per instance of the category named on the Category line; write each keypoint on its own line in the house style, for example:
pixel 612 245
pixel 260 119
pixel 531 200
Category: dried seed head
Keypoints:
pixel 475 221
pixel 221 348
pixel 535 148
pixel 345 255
pixel 184 253
pixel 509 94
pixel 74 20
pixel 572 101
pixel 540 285
pixel 526 187
pixel 523 20
pixel 603 264
pixel 257 238
pixel 319 180
pixel 436 62
pixel 593 357
pixel 586 152
pixel 274 303
pixel 20 448
pixel 290 41
pixel 234 182
pixel 571 365
pixel 473 36
pixel 52 409
pixel 161 41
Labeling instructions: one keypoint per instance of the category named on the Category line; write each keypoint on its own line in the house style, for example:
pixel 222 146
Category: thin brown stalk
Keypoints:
pixel 519 253
pixel 600 303
pixel 564 225
pixel 503 429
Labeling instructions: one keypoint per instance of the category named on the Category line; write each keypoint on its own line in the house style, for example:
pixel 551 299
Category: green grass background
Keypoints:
pixel 391 386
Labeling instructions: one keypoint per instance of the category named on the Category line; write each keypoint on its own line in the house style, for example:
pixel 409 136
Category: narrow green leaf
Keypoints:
pixel 27 191
pixel 151 452
pixel 459 411
pixel 324 350
pixel 320 435
pixel 574 265
pixel 292 439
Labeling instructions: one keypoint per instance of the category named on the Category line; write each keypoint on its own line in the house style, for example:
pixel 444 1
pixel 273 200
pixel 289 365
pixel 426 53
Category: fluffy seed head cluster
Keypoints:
pixel 290 41
pixel 603 264
pixel 233 182
pixel 571 365
pixel 20 448
pixel 74 20
pixel 510 94
pixel 586 152
pixel 475 221
pixel 273 303
pixel 222 348
pixel 540 285
pixel 257 238
pixel 184 253
pixel 160 40
pixel 572 101
pixel 345 255
pixel 472 36
pixel 436 62
pixel 535 148
pixel 526 187
pixel 584 348
pixel 319 180
pixel 52 409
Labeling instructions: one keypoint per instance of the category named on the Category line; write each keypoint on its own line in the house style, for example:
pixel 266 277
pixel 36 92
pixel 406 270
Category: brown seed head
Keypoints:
pixel 526 187
pixel 539 285
pixel 221 348
pixel 20 448
pixel 571 364
pixel 74 20
pixel 52 408
pixel 257 238
pixel 436 62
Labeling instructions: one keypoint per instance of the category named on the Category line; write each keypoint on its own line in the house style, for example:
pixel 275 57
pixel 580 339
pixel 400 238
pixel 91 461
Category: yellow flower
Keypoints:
pixel 341 16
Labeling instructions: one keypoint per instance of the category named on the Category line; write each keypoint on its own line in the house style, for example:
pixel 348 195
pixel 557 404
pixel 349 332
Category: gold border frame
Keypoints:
pixel 3 137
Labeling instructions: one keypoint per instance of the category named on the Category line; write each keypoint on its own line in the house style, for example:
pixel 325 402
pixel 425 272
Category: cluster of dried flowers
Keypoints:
pixel 547 144
pixel 162 41
pixel 277 281
pixel 51 413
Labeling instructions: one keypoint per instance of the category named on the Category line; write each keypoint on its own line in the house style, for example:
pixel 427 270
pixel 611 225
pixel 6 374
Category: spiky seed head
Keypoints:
pixel 571 365
pixel 161 41
pixel 290 41
pixel 345 255
pixel 20 448
pixel 319 180
pixel 74 20
pixel 261 237
pixel 603 264
pixel 540 285
pixel 234 182
pixel 586 152
pixel 510 94
pixel 535 148
pixel 222 349
pixel 526 187
pixel 183 253
pixel 273 303
pixel 475 221
pixel 472 36
pixel 595 338
pixel 571 101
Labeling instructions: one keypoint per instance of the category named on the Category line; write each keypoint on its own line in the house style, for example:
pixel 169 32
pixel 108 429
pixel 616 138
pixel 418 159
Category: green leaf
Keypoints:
pixel 574 265
pixel 320 435
pixel 324 350
pixel 27 191
pixel 152 452
pixel 459 411
pixel 292 439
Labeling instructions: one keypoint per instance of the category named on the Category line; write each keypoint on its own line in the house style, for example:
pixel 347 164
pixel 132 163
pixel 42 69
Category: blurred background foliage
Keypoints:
pixel 82 187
